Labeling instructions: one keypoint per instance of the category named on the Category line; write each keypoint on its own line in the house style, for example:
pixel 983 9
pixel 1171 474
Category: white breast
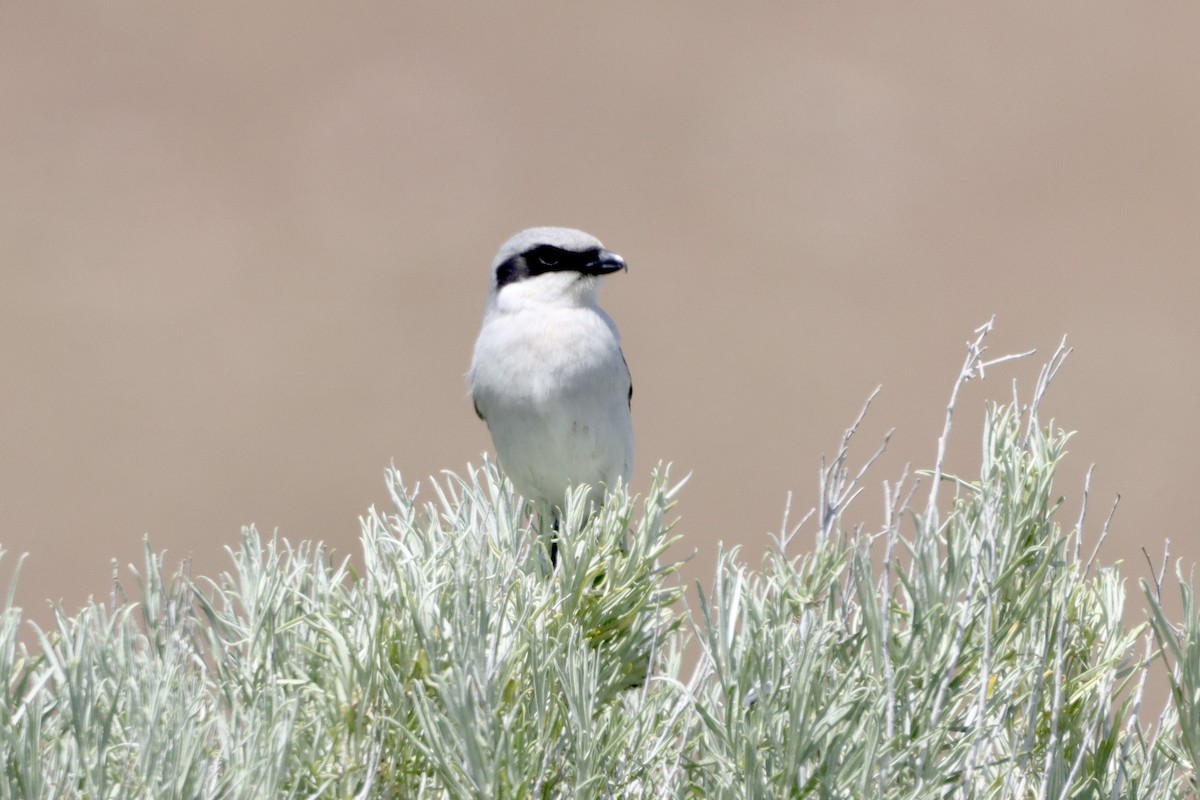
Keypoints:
pixel 554 389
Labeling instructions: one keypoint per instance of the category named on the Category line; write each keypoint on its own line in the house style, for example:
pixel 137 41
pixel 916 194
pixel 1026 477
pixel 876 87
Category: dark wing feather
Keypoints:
pixel 630 374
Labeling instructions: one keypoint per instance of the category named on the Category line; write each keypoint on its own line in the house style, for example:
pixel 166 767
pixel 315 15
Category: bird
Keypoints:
pixel 548 375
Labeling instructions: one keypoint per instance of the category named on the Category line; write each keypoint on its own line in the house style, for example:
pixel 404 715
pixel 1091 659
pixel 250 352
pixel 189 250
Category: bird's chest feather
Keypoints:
pixel 543 358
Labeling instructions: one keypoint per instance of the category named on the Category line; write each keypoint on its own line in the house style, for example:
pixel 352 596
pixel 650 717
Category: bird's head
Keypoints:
pixel 550 266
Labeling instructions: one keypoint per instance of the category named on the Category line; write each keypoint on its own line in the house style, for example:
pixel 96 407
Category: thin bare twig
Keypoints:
pixel 1103 534
pixel 1087 487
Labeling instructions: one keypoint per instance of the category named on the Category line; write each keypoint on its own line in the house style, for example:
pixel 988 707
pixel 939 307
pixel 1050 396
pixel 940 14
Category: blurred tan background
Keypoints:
pixel 244 251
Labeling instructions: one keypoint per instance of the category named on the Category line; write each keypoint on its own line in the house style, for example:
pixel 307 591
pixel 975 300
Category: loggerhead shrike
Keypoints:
pixel 548 375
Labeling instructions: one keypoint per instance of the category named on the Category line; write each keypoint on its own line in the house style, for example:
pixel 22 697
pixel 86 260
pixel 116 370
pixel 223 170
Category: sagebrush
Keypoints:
pixel 965 649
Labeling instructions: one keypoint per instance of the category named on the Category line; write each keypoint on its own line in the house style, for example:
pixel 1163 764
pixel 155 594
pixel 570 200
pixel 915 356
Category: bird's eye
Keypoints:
pixel 545 260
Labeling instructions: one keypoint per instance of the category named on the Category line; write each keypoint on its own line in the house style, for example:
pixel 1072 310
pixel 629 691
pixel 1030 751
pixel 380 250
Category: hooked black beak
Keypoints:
pixel 604 263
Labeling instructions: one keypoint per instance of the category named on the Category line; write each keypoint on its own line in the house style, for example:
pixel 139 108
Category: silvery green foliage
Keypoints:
pixel 966 649
pixel 456 663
